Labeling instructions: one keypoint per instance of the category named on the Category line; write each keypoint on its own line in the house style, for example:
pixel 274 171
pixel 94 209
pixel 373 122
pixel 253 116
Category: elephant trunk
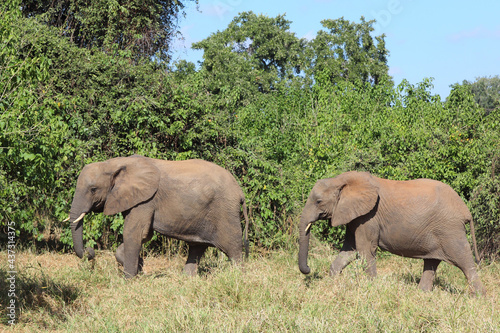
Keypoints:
pixel 77 234
pixel 309 215
pixel 304 236
pixel 76 225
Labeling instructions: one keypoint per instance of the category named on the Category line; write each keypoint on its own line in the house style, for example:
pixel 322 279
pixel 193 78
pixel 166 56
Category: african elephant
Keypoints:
pixel 419 218
pixel 194 201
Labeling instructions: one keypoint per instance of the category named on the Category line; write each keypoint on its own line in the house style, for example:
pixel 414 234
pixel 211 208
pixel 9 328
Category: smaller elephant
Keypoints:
pixel 195 201
pixel 419 218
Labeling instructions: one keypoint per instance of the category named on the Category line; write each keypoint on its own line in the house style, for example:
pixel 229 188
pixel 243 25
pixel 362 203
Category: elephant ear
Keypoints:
pixel 134 180
pixel 358 197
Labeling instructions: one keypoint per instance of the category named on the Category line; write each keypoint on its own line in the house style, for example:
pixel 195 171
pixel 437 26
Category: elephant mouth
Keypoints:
pixel 98 206
pixel 324 216
pixel 321 216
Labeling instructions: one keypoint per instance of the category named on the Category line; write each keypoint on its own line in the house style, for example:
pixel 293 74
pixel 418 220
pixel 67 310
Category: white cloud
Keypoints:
pixel 477 32
pixel 185 40
pixel 220 9
pixel 395 70
pixel 310 35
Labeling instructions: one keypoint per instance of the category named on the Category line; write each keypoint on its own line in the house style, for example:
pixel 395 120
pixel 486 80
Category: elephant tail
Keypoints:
pixel 473 235
pixel 245 215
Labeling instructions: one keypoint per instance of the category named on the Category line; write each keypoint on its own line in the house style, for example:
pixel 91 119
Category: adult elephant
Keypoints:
pixel 420 218
pixel 194 201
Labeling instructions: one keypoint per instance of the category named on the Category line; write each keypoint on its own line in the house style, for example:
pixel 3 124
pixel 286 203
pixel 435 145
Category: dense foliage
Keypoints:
pixel 279 112
pixel 486 91
pixel 141 28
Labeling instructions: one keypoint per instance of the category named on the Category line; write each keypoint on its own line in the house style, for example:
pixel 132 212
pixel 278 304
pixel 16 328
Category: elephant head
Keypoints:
pixel 110 187
pixel 341 199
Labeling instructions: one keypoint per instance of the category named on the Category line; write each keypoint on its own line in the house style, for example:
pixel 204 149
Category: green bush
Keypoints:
pixel 268 109
pixel 485 208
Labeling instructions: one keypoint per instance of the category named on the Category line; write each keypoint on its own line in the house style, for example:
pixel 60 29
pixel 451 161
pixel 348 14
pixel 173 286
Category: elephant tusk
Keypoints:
pixel 66 220
pixel 79 218
pixel 308 227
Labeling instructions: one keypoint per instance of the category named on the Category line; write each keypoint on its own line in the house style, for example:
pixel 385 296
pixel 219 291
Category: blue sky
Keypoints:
pixel 447 40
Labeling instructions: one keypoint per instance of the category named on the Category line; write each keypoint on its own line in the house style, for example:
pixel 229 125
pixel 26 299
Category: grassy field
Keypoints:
pixel 58 292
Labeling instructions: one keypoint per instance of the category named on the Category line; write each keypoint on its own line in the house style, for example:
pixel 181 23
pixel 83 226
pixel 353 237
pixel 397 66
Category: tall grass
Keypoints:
pixel 58 292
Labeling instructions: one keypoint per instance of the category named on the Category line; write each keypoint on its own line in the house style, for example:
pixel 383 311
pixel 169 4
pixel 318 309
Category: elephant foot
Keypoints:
pixel 427 287
pixel 190 269
pixel 479 290
pixel 334 270
pixel 120 258
pixel 127 275
pixel 194 255
pixel 476 286
pixel 343 259
pixel 371 270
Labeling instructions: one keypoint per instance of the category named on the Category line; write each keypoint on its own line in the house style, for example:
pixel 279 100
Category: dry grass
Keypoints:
pixel 58 292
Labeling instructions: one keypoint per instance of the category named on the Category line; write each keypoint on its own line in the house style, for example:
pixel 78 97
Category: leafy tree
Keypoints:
pixel 269 41
pixel 31 125
pixel 145 28
pixel 252 55
pixel 347 51
pixel 486 92
pixel 64 106
pixel 250 69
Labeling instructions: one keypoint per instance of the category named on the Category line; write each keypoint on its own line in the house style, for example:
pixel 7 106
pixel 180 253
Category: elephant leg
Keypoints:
pixel 430 266
pixel 371 265
pixel 367 248
pixel 234 253
pixel 230 241
pixel 346 255
pixel 341 261
pixel 474 281
pixel 136 230
pixel 120 254
pixel 459 254
pixel 120 257
pixel 195 253
pixel 468 267
pixel 144 240
pixel 132 251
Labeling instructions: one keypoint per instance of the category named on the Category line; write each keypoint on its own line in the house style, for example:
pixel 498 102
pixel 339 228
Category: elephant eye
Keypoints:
pixel 93 190
pixel 318 201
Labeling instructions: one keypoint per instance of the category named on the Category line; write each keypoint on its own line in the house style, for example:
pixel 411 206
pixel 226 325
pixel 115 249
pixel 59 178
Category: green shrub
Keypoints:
pixel 485 208
pixel 278 125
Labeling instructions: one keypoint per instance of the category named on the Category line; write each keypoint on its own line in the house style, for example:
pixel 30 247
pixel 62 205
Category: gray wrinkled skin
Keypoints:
pixel 420 218
pixel 194 201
